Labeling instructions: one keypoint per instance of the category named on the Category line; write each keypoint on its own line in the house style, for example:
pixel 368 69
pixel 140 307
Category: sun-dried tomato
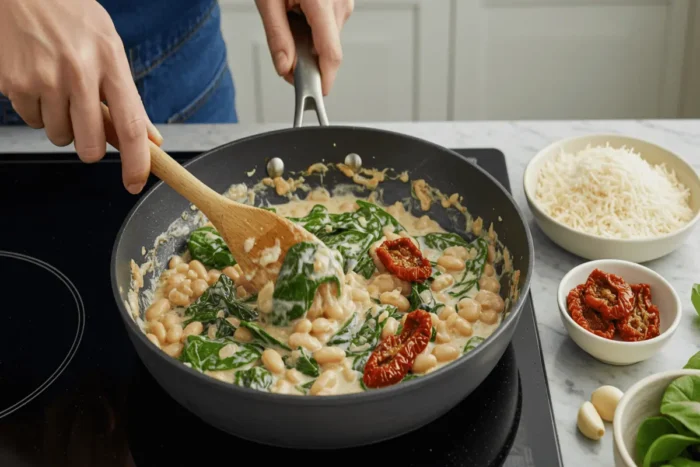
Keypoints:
pixel 643 322
pixel 403 258
pixel 609 295
pixel 587 317
pixel 392 359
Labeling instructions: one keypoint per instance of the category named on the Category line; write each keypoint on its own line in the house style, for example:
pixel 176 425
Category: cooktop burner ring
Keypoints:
pixel 80 328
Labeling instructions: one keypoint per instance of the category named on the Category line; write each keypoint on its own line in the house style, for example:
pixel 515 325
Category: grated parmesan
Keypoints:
pixel 613 193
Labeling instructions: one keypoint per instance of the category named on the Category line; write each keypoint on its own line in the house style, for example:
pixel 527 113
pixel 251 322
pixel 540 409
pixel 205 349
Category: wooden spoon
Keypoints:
pixel 235 222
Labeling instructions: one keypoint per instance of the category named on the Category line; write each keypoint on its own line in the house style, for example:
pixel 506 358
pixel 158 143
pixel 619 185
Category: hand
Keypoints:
pixel 58 60
pixel 326 18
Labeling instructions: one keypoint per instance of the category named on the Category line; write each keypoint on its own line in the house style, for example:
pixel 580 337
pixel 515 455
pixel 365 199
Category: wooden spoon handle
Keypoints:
pixel 169 170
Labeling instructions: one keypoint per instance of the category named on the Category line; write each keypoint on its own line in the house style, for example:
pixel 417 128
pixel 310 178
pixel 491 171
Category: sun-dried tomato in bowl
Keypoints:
pixel 609 295
pixel 609 307
pixel 587 317
pixel 643 322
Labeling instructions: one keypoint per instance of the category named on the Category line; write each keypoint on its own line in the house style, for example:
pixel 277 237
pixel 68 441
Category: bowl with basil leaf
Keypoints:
pixel 657 422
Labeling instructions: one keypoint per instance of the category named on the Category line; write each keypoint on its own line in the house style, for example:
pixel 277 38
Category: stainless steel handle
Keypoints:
pixel 308 91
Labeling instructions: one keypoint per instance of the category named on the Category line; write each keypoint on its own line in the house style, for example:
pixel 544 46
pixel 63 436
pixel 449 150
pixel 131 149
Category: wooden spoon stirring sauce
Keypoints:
pixel 273 235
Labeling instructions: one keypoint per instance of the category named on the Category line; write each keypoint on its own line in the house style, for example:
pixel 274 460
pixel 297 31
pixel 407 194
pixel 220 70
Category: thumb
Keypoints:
pixel 279 36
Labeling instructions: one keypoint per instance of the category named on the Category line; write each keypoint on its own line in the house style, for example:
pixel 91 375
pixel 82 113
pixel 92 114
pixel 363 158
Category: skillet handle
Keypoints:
pixel 308 91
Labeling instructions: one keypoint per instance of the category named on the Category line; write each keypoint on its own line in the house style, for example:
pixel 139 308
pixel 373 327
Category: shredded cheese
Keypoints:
pixel 613 193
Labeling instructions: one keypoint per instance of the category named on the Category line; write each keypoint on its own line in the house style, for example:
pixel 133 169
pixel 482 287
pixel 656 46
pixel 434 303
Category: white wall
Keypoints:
pixel 410 60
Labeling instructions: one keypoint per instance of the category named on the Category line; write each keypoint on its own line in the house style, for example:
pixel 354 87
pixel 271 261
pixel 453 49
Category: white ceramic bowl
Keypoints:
pixel 618 352
pixel 639 402
pixel 595 247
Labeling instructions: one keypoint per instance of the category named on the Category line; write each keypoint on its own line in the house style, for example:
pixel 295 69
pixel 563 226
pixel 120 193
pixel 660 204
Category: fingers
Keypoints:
pixel 279 36
pixel 29 108
pixel 326 37
pixel 130 122
pixel 86 115
pixel 56 115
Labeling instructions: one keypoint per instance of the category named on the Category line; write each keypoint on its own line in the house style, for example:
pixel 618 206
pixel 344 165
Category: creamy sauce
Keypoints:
pixel 351 302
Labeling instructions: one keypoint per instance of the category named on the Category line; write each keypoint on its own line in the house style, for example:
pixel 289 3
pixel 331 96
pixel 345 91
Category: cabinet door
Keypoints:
pixel 395 64
pixel 568 59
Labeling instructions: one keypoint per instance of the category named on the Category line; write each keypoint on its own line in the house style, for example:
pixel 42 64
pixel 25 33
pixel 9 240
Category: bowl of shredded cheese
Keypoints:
pixel 612 196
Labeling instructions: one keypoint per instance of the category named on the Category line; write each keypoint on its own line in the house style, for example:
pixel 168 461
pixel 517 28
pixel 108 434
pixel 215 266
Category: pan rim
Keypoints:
pixel 374 395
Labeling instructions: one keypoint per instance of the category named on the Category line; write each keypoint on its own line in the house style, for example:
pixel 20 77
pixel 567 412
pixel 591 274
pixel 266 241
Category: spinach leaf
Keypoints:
pixel 359 362
pixel 472 343
pixel 203 354
pixel 304 388
pixel 297 282
pixel 683 462
pixel 206 245
pixel 262 337
pixel 344 334
pixel 649 431
pixel 433 334
pixel 681 401
pixel 409 377
pixel 693 362
pixel 219 297
pixel 370 332
pixel 224 328
pixel 254 378
pixel 473 270
pixel 667 447
pixel 695 297
pixel 422 297
pixel 303 362
pixel 351 234
pixel 441 241
pixel 268 208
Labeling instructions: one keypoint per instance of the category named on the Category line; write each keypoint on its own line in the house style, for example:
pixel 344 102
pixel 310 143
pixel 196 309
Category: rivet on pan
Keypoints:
pixel 353 161
pixel 275 168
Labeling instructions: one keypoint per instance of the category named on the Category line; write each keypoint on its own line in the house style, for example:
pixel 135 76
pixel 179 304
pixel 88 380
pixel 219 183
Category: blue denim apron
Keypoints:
pixel 178 60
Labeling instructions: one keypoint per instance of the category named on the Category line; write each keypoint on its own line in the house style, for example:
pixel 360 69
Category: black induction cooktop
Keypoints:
pixel 74 393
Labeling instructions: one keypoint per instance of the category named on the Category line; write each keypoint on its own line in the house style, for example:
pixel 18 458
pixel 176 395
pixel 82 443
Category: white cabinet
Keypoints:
pixel 544 59
pixel 394 68
pixel 483 59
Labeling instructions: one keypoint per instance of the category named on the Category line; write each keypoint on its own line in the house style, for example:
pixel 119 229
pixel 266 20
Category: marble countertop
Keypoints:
pixel 572 373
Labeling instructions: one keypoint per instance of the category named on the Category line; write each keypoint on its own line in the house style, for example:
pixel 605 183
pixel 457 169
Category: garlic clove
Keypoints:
pixel 605 400
pixel 589 422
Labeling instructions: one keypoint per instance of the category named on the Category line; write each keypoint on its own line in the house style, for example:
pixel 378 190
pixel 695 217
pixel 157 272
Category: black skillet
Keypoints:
pixel 325 421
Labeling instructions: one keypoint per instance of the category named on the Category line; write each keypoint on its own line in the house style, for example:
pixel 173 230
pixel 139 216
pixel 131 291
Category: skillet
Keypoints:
pixel 337 421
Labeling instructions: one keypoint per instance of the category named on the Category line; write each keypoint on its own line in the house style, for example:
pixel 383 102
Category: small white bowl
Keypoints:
pixel 595 247
pixel 639 402
pixel 618 352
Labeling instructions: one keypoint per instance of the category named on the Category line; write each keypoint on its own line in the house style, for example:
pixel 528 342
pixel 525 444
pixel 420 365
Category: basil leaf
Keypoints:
pixel 262 337
pixel 219 297
pixel 681 401
pixel 344 334
pixel 207 246
pixel 472 343
pixel 667 447
pixel 297 282
pixel 303 362
pixel 693 362
pixel 648 432
pixel 441 241
pixel 695 297
pixel 254 378
pixel 204 354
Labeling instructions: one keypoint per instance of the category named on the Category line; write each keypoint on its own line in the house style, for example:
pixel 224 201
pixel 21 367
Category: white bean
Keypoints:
pixel 157 309
pixel 451 263
pixel 243 334
pixel 273 361
pixel 265 297
pixel 154 340
pixel 327 380
pixel 174 350
pixel 463 327
pixel 395 298
pixel 304 340
pixel 445 352
pixel 423 363
pixel 390 327
pixel 326 355
pixel 304 326
pixel 469 309
pixel 174 334
pixel 195 328
pixel 442 282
